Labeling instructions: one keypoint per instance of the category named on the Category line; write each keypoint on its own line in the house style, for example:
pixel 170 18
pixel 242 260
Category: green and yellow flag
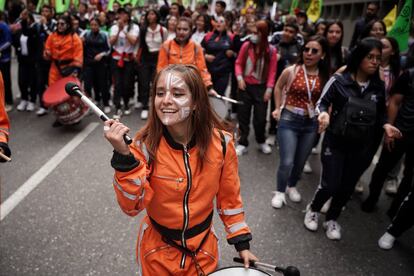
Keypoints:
pixel 2 4
pixel 390 18
pixel 401 29
pixel 293 6
pixel 315 10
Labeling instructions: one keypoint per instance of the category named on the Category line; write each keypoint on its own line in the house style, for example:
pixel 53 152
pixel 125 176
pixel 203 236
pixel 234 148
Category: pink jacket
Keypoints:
pixel 246 66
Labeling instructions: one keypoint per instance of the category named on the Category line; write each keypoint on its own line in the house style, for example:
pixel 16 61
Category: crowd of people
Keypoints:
pixel 359 96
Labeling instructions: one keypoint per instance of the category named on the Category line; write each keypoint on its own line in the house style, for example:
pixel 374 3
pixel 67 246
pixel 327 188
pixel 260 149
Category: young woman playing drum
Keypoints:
pixel 178 164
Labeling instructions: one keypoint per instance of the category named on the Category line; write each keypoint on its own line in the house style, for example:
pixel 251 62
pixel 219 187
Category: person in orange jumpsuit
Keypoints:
pixel 179 163
pixel 183 50
pixel 65 49
pixel 4 124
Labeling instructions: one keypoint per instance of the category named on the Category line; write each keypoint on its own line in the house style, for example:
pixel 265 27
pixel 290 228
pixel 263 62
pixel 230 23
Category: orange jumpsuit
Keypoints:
pixel 4 122
pixel 179 198
pixel 68 48
pixel 191 53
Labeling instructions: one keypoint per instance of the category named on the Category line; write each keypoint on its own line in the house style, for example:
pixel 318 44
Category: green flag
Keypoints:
pixel 2 4
pixel 401 29
pixel 293 6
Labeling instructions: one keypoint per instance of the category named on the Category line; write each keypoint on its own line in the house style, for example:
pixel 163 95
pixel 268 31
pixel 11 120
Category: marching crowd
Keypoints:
pixel 359 96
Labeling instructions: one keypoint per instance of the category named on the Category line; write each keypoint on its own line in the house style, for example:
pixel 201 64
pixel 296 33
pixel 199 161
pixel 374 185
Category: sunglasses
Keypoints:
pixel 313 51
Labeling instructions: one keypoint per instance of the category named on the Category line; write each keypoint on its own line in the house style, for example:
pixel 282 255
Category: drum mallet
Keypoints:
pixel 288 271
pixel 227 99
pixel 74 90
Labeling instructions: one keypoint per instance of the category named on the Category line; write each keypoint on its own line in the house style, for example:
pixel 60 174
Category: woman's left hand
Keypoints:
pixel 247 256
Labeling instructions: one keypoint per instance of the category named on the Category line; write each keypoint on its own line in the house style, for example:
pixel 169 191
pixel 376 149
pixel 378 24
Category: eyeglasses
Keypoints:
pixel 373 58
pixel 313 51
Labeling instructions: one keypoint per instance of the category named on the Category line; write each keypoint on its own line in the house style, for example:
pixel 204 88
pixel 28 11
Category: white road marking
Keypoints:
pixel 43 172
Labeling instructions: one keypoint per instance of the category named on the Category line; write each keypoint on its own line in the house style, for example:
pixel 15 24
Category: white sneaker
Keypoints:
pixel 333 230
pixel 359 188
pixel 127 112
pixel 107 109
pixel 326 206
pixel 138 105
pixel 30 107
pixel 293 194
pixel 386 242
pixel 118 114
pixel 311 219
pixel 8 107
pixel 265 148
pixel 271 140
pixel 41 111
pixel 144 114
pixel 278 200
pixel 240 150
pixel 307 168
pixel 315 151
pixel 391 186
pixel 22 105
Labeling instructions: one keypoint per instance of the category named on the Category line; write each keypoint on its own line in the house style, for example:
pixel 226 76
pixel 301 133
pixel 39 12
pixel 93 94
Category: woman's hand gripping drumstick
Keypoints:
pixel 114 132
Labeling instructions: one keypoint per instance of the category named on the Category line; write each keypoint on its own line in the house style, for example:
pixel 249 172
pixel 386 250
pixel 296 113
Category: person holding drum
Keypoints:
pixel 65 50
pixel 178 165
pixel 4 125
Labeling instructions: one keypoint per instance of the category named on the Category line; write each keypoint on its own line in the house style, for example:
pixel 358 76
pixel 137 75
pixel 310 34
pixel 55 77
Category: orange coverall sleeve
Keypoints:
pixel 47 52
pixel 229 201
pixel 132 189
pixel 163 57
pixel 4 119
pixel 201 65
pixel 78 51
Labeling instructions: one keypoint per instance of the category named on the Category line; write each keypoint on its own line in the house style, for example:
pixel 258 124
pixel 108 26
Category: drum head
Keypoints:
pixel 56 94
pixel 239 271
pixel 219 107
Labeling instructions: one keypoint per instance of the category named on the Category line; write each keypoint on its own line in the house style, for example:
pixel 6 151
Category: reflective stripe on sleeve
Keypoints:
pixel 230 212
pixel 236 227
pixel 137 182
pixel 127 195
pixel 227 138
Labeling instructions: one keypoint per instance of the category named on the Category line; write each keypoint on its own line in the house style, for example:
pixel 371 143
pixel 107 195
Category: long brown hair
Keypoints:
pixel 264 49
pixel 202 119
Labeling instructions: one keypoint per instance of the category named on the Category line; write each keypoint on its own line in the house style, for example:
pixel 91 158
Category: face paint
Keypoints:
pixel 174 105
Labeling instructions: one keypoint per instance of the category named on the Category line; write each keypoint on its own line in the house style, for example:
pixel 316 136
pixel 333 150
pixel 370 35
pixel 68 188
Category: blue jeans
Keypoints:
pixel 296 135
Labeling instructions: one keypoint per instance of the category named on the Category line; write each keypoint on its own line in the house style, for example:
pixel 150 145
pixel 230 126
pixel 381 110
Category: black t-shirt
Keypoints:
pixel 405 117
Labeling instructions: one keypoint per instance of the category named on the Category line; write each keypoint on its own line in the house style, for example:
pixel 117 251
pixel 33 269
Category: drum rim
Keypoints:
pixel 235 266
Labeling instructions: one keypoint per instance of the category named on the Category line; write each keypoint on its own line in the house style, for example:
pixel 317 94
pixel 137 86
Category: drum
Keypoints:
pixel 219 106
pixel 68 110
pixel 238 271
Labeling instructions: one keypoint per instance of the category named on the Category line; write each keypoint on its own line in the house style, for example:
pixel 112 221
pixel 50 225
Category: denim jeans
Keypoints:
pixel 296 135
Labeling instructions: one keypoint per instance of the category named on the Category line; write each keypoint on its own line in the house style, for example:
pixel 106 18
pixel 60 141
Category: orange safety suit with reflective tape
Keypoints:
pixel 191 53
pixel 4 121
pixel 66 50
pixel 178 198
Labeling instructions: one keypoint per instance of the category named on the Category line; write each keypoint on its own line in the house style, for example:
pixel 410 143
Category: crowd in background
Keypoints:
pixel 301 69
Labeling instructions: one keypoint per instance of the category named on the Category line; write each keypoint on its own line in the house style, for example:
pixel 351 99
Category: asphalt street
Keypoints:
pixel 70 224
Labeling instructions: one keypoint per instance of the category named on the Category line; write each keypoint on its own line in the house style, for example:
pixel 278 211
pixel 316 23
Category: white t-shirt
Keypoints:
pixel 122 45
pixel 154 39
pixel 198 36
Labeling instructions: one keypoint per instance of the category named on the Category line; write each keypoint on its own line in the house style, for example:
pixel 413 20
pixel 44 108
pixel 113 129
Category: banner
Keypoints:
pixel 315 10
pixel 401 29
pixel 390 18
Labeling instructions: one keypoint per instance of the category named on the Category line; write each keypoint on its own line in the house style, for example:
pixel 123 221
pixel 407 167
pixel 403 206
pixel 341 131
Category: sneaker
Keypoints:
pixel 107 109
pixel 315 151
pixel 278 200
pixel 30 107
pixel 265 148
pixel 127 112
pixel 240 150
pixel 293 194
pixel 386 242
pixel 359 188
pixel 22 105
pixel 9 107
pixel 391 186
pixel 144 114
pixel 333 230
pixel 307 168
pixel 311 219
pixel 326 206
pixel 41 111
pixel 117 115
pixel 138 105
pixel 271 140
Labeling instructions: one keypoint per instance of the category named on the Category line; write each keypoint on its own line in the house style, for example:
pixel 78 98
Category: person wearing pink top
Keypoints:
pixel 255 68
